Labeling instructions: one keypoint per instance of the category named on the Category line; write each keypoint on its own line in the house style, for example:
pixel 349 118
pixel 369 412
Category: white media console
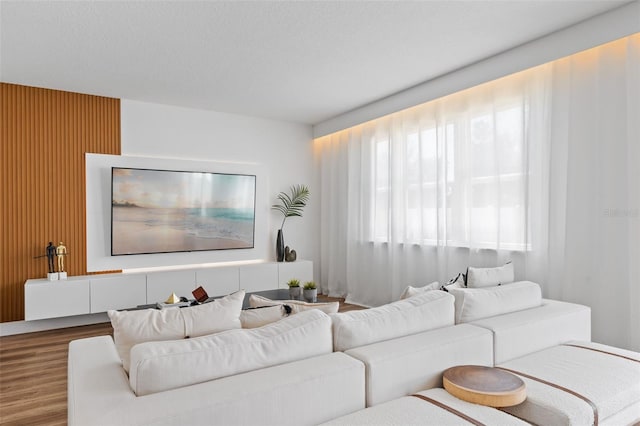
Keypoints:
pixel 91 294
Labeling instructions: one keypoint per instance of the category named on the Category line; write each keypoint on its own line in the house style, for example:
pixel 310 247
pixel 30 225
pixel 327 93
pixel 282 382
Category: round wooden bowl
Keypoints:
pixel 484 385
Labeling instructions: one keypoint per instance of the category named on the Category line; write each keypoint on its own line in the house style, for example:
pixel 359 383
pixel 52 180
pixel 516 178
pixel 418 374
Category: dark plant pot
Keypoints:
pixel 310 296
pixel 280 246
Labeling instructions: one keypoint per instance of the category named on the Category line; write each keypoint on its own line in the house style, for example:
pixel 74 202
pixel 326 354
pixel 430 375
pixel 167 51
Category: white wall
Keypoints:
pixel 280 152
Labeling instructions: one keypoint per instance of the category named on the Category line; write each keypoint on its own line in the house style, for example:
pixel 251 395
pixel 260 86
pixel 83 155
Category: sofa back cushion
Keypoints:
pixel 427 311
pixel 257 317
pixel 411 291
pixel 477 303
pixel 489 277
pixel 151 325
pixel 218 315
pixel 160 366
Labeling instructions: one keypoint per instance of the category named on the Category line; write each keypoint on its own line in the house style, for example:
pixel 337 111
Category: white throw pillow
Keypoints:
pixel 427 311
pixel 160 366
pixel 149 325
pixel 218 315
pixel 414 291
pixel 457 284
pixel 477 303
pixel 257 317
pixel 132 327
pixel 297 306
pixel 489 277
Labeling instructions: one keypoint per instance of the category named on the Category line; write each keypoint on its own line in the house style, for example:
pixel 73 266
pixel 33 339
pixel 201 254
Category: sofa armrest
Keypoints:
pixel 520 333
pixel 405 365
pixel 96 381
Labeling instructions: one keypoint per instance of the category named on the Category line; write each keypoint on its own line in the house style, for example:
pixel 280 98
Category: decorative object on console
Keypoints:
pixel 200 294
pixel 310 292
pixel 50 252
pixel 172 299
pixel 61 253
pixel 280 246
pixel 294 288
pixel 290 205
pixel 290 255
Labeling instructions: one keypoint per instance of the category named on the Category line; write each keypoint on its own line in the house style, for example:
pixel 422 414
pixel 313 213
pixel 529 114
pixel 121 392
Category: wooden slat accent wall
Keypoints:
pixel 44 136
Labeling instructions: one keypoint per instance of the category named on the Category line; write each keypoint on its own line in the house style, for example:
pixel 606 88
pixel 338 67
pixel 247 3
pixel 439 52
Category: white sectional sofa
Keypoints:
pixel 378 357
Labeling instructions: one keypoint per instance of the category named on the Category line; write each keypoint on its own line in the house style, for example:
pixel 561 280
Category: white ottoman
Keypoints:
pixel 579 383
pixel 436 407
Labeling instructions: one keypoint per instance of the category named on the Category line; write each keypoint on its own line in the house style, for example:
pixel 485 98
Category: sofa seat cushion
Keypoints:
pixel 427 311
pixel 476 303
pixel 611 383
pixel 159 366
pixel 414 410
pixel 297 306
pixel 151 325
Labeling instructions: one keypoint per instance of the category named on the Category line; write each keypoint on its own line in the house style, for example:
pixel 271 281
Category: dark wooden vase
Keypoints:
pixel 280 246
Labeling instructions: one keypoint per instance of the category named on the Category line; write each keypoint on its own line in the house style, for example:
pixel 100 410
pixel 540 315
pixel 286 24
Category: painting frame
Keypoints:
pixel 175 211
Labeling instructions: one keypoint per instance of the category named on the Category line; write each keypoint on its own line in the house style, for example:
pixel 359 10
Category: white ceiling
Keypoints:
pixel 299 61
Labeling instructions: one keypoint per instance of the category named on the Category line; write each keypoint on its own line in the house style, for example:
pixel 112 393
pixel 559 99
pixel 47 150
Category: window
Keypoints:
pixel 459 181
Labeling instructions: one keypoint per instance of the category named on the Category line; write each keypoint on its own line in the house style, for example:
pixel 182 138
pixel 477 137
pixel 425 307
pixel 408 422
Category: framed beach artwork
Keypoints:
pixel 165 211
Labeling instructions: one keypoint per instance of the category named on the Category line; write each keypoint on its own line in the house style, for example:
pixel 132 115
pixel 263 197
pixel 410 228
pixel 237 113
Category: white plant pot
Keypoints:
pixel 294 293
pixel 310 296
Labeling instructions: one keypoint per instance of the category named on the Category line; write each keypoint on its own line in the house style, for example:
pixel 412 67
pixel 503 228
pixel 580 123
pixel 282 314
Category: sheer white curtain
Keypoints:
pixel 419 195
pixel 595 211
pixel 541 168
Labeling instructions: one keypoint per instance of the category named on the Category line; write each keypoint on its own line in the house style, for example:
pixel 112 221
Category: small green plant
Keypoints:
pixel 310 285
pixel 293 283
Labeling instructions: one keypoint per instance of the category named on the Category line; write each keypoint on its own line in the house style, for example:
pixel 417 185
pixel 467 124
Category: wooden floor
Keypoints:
pixel 33 372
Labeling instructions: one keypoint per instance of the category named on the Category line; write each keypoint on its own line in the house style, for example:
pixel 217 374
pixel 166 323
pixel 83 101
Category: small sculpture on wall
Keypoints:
pixel 60 252
pixel 51 252
pixel 290 255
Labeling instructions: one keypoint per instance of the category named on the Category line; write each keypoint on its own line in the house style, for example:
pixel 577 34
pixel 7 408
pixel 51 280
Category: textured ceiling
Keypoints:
pixel 299 61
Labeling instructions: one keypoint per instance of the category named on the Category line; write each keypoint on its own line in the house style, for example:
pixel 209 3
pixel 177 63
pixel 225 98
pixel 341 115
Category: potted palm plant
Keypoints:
pixel 290 205
pixel 294 289
pixel 310 292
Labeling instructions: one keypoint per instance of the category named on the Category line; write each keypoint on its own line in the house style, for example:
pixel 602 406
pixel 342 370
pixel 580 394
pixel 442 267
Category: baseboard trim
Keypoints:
pixel 22 327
